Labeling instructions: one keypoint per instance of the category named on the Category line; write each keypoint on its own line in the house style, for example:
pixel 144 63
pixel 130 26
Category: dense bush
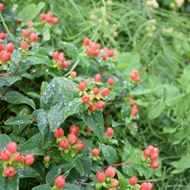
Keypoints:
pixel 86 89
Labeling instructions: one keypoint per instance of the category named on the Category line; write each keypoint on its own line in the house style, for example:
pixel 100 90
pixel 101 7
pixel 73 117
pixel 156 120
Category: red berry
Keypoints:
pixel 47 158
pixel 100 104
pixel 73 74
pixel 1 47
pixel 134 110
pixel 82 86
pixel 24 45
pixel 135 76
pixel 2 36
pixel 86 41
pixel 133 181
pixel 96 91
pixel 90 52
pixel 59 181
pixel 59 132
pixel 18 157
pixel 55 20
pixel 33 37
pixel 61 56
pixel 114 182
pixel 80 145
pixel 5 56
pixel 29 159
pixel 110 172
pixel 85 99
pixel 64 144
pixel 5 155
pixel 146 186
pixel 49 18
pixel 72 138
pixel 9 47
pixel 100 177
pixel 111 53
pixel 98 78
pixel 25 33
pixel 104 56
pixel 98 45
pixel 154 164
pixel 12 147
pixel 154 156
pixel 105 91
pixel 30 24
pixel 43 16
pixel 9 172
pixel 95 152
pixel 92 108
pixel 55 55
pixel 74 129
pixel 110 132
pixel 146 153
pixel 88 129
pixel 110 81
pixel 2 6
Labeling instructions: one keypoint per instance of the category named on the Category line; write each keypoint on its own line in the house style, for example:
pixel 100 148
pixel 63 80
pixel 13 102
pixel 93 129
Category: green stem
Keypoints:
pixel 5 26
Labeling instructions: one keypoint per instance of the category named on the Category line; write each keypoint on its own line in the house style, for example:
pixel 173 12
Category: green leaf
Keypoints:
pixel 42 187
pixel 30 11
pixel 69 186
pixel 60 112
pixel 181 165
pixel 83 166
pixel 156 110
pixel 53 173
pixel 60 100
pixel 27 172
pixel 70 50
pixel 19 120
pixel 17 98
pixel 6 184
pixel 9 80
pixel 46 33
pixel 33 146
pixel 109 153
pixel 128 61
pixel 4 140
pixel 96 122
pixel 43 125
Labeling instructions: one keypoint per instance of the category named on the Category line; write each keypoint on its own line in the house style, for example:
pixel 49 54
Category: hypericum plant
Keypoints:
pixel 70 145
pixel 11 160
pixel 41 103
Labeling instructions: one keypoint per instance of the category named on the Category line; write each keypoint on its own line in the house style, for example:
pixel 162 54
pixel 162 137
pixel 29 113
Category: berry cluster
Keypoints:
pixel 144 186
pixel 91 95
pixel 59 57
pixel 96 50
pixel 28 38
pixel 49 18
pixel 151 154
pixel 134 76
pixel 6 50
pixel 69 145
pixel 106 180
pixel 12 159
pixel 59 182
